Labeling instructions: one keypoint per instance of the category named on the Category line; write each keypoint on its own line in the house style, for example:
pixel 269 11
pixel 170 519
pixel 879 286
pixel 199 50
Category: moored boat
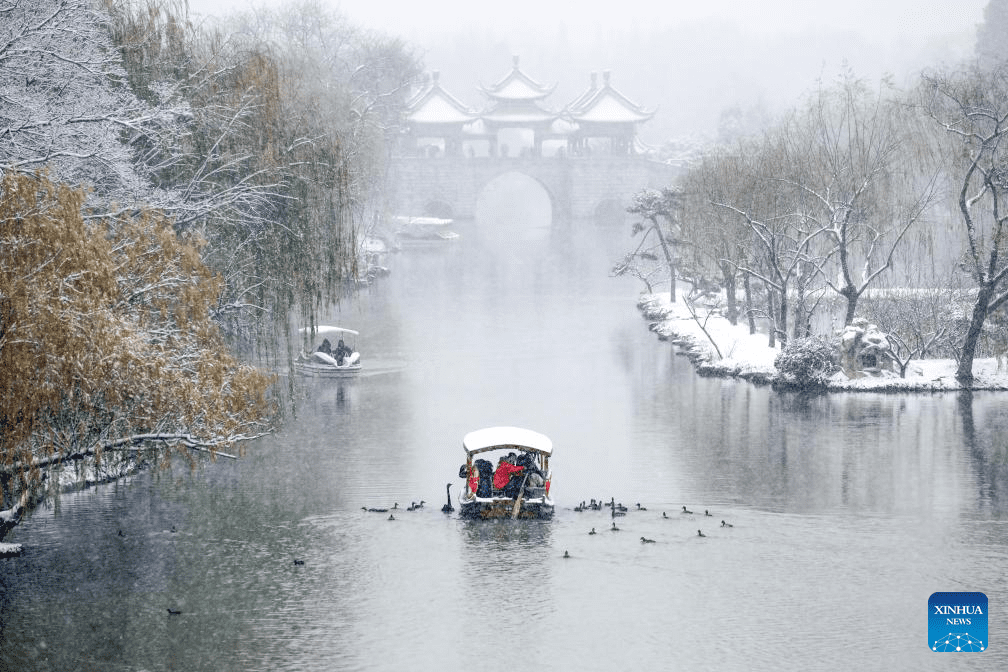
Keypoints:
pixel 518 486
pixel 423 230
pixel 325 359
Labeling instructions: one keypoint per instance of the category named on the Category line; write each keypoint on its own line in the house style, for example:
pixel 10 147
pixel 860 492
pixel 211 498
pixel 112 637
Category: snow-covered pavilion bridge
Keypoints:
pixel 586 156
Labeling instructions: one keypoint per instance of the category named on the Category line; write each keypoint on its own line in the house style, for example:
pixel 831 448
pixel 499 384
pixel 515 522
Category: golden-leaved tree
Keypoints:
pixel 106 344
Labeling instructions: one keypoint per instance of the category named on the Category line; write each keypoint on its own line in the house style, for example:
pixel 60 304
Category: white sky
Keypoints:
pixel 877 19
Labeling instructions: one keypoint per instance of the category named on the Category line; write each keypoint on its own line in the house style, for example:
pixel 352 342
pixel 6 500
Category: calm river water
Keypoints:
pixel 848 510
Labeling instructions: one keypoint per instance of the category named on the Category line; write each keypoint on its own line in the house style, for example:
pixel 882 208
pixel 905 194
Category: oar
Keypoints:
pixel 518 500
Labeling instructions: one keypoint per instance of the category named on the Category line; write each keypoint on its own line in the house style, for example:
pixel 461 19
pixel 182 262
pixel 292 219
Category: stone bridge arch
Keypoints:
pixel 517 180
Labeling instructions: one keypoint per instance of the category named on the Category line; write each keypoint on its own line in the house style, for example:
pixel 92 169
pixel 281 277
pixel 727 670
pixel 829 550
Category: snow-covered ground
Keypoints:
pixel 747 356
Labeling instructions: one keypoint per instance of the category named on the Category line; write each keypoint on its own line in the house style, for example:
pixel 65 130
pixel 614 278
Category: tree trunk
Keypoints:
pixel 729 284
pixel 668 259
pixel 964 374
pixel 799 319
pixel 783 315
pixel 748 304
pixel 851 295
pixel 771 311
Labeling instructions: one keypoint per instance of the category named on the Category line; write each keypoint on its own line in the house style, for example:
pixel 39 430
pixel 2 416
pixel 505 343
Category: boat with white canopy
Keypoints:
pixel 517 485
pixel 423 230
pixel 332 352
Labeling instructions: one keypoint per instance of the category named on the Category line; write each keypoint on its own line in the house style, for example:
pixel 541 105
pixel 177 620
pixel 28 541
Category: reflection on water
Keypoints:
pixel 848 511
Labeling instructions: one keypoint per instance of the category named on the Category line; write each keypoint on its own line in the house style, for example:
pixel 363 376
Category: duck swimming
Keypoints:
pixel 391 517
pixel 645 540
pixel 566 554
pixel 592 531
pixel 614 528
pixel 708 513
pixel 664 515
pixel 448 508
pixel 640 508
pixel 685 510
pixel 700 534
pixel 373 510
pixel 724 524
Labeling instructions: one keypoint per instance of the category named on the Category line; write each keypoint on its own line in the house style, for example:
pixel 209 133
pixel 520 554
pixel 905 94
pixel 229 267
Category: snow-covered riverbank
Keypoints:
pixel 747 356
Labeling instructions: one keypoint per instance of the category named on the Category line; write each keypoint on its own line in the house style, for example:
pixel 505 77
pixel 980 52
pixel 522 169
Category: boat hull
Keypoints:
pixel 485 508
pixel 326 370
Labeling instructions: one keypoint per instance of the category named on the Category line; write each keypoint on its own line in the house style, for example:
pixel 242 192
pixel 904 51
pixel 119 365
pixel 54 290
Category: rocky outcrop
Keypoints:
pixel 865 350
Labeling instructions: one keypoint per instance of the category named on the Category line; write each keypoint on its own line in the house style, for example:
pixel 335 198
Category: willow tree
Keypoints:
pixel 971 106
pixel 780 230
pixel 848 153
pixel 717 237
pixel 292 111
pixel 106 341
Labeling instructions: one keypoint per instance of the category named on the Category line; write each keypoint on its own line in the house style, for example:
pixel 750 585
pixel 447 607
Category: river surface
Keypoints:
pixel 848 510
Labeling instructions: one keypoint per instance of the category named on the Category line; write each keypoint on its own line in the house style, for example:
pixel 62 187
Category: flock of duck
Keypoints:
pixel 617 509
pixel 413 506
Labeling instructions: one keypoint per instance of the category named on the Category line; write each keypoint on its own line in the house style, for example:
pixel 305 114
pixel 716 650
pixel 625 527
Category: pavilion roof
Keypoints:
pixel 517 86
pixel 434 105
pixel 605 104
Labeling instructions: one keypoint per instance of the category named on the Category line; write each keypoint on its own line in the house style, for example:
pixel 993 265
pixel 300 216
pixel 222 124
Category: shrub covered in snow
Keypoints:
pixel 807 361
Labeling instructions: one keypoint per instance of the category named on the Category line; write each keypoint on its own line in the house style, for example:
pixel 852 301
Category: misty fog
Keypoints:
pixel 690 61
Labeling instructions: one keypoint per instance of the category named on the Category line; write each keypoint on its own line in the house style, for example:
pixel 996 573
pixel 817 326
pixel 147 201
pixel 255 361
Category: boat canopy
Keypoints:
pixel 511 438
pixel 325 331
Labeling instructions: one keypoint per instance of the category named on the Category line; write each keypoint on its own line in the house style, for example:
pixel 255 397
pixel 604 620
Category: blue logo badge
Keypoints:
pixel 957 622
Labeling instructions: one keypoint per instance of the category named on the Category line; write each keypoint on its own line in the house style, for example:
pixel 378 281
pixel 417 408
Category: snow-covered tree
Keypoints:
pixel 971 106
pixel 65 103
pixel 779 226
pixel 291 113
pixel 848 153
pixel 660 213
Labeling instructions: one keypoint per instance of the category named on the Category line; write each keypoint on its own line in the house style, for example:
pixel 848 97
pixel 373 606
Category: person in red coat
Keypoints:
pixel 504 472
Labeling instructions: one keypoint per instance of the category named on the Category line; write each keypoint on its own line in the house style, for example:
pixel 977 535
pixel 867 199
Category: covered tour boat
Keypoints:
pixel 507 474
pixel 333 352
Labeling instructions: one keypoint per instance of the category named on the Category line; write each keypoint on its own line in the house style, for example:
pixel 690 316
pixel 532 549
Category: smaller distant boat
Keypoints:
pixel 411 231
pixel 372 259
pixel 333 352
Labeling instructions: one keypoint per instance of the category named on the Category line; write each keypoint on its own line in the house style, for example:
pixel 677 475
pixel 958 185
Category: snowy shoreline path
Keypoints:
pixel 747 356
